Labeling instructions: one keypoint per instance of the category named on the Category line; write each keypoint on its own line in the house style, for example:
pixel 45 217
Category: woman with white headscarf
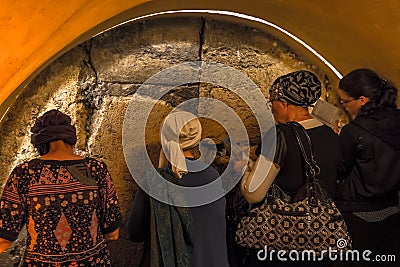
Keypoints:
pixel 199 239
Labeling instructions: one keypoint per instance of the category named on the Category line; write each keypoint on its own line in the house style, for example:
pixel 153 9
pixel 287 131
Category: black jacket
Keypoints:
pixel 369 168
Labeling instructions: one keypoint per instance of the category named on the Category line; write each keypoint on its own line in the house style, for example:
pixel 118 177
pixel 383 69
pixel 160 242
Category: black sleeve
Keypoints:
pixel 267 150
pixel 347 152
pixel 138 224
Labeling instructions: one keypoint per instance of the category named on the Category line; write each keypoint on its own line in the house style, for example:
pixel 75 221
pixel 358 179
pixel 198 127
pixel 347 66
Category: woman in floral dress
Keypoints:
pixel 68 203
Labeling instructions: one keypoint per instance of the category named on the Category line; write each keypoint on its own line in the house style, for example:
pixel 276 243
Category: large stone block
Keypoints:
pixel 135 51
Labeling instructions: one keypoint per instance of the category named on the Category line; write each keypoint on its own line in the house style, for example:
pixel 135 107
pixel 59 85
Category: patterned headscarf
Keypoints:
pixel 53 125
pixel 299 88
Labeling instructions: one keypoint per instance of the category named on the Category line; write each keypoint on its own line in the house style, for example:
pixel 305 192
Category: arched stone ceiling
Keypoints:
pixel 349 34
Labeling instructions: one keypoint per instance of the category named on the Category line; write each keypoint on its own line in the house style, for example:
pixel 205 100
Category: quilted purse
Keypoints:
pixel 309 220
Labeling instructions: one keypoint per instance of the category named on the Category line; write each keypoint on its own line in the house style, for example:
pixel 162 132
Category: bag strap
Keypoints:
pixel 309 159
pixel 312 169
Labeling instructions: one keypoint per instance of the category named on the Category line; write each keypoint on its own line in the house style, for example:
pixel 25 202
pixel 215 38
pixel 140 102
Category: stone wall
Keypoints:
pixel 95 82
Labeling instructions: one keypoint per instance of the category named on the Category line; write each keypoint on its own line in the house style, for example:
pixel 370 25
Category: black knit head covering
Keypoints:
pixel 299 88
pixel 52 126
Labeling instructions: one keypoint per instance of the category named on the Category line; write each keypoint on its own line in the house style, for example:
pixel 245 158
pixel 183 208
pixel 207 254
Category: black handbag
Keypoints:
pixel 309 220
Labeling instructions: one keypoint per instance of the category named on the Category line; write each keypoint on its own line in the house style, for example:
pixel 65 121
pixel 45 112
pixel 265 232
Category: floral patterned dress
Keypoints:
pixel 66 216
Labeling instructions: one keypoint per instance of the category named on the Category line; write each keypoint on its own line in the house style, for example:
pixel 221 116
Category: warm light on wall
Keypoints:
pixel 246 17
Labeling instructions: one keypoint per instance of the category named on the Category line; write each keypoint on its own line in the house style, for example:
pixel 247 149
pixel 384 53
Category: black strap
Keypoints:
pixel 309 159
pixel 312 169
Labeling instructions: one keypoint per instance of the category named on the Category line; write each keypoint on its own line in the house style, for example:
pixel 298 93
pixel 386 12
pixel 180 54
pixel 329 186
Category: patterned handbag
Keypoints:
pixel 309 220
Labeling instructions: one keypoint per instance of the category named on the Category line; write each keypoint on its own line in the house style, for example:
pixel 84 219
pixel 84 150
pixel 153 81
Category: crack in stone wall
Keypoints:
pixel 95 82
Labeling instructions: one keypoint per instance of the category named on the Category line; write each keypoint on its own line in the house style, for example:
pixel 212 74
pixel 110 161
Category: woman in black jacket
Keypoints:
pixel 369 168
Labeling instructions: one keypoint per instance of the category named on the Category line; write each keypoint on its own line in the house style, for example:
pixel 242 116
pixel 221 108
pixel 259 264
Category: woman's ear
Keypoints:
pixel 363 100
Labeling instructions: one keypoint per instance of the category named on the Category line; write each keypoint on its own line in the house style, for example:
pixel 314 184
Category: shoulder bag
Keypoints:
pixel 309 220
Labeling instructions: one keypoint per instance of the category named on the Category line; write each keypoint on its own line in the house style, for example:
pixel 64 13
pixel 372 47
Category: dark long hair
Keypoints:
pixel 364 82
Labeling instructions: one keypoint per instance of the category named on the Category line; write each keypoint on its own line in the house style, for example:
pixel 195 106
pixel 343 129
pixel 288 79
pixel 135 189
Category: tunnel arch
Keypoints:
pixel 344 61
pixel 349 34
pixel 97 100
pixel 297 44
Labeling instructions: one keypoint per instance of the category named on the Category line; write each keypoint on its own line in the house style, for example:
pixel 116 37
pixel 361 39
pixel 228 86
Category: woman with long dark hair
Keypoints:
pixel 369 168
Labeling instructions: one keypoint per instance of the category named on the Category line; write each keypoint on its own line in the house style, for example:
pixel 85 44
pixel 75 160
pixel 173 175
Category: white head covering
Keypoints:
pixel 180 130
